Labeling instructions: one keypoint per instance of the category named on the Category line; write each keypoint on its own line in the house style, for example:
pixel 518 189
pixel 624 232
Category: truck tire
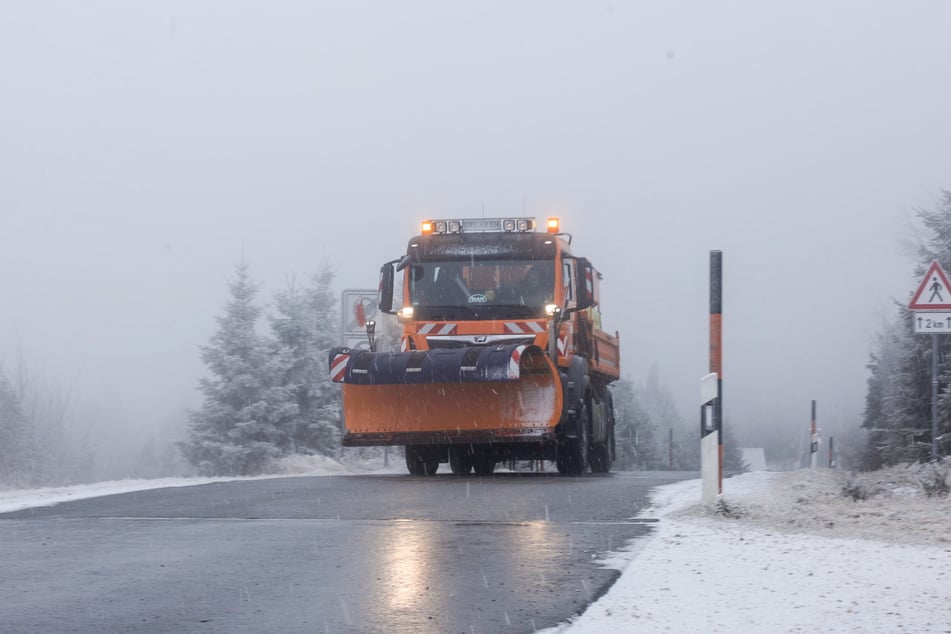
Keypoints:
pixel 483 461
pixel 421 460
pixel 461 459
pixel 600 457
pixel 573 452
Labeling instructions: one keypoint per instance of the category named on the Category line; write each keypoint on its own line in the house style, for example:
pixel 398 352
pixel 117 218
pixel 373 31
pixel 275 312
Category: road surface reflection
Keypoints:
pixel 428 569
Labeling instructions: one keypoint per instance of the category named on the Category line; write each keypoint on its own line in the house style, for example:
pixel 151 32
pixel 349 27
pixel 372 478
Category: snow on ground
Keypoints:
pixel 17 499
pixel 788 552
pixel 797 551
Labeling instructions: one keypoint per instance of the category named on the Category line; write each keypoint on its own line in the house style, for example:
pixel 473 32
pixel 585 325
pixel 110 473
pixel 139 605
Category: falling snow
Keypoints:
pixel 783 552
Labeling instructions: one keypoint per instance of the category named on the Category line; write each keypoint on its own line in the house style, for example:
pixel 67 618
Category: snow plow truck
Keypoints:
pixel 501 355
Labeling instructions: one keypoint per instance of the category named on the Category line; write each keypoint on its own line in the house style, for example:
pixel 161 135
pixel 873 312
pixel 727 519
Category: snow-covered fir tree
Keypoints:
pixel 635 445
pixel 898 401
pixel 733 461
pixel 248 411
pixel 17 452
pixel 305 326
pixel 325 425
pixel 41 443
pixel 897 412
pixel 679 450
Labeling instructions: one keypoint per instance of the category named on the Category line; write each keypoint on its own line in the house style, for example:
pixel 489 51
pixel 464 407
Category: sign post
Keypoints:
pixel 931 304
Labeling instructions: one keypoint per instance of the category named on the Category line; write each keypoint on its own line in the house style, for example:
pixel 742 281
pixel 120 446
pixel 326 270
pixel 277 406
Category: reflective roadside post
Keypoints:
pixel 813 440
pixel 711 391
pixel 716 351
pixel 709 440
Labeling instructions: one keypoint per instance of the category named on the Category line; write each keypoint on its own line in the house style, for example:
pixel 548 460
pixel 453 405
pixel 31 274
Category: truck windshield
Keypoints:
pixel 494 288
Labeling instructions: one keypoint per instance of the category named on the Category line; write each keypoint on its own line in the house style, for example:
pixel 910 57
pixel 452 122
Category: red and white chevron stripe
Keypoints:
pixel 524 327
pixel 564 339
pixel 436 329
pixel 514 361
pixel 338 367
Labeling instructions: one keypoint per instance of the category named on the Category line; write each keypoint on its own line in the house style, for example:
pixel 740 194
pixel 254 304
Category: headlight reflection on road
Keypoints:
pixel 425 567
pixel 407 569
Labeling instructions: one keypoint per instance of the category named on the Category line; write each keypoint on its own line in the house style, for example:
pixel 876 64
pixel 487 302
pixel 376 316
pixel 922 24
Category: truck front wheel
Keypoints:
pixel 573 452
pixel 600 458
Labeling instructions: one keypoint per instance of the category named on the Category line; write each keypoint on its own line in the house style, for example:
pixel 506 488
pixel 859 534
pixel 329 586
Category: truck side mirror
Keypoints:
pixel 385 301
pixel 585 283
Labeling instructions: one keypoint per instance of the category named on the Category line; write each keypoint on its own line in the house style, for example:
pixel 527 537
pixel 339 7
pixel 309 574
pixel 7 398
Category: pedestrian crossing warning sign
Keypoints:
pixel 934 292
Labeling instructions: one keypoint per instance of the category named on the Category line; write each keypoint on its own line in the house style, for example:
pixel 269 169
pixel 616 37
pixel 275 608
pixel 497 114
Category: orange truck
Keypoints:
pixel 502 355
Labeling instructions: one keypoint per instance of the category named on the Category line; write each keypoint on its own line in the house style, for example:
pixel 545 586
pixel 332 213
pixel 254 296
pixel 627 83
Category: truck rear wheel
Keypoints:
pixel 602 453
pixel 484 461
pixel 421 460
pixel 461 459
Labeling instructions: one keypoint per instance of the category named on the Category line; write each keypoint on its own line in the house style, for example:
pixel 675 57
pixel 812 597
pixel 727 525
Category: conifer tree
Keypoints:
pixel 898 402
pixel 247 415
pixel 40 442
pixel 733 461
pixel 635 446
pixel 325 420
pixel 937 246
pixel 16 448
pixel 305 326
pixel 683 451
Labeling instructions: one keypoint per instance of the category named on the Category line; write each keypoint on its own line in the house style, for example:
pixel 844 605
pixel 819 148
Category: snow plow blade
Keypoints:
pixel 505 393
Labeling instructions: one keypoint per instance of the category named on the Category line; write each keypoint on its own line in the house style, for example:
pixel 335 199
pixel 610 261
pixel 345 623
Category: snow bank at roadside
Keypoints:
pixel 894 506
pixel 786 552
pixel 18 499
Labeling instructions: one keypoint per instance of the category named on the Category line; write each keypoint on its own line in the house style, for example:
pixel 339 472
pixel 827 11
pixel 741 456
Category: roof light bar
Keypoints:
pixel 478 225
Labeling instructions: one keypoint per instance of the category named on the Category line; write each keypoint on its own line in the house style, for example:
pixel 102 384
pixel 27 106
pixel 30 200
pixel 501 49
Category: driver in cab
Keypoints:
pixel 535 288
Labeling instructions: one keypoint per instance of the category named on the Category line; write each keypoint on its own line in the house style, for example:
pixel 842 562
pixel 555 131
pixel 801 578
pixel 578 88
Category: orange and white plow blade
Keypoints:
pixel 527 407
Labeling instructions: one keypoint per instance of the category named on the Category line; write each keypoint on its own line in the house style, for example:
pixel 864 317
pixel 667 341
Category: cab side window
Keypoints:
pixel 567 281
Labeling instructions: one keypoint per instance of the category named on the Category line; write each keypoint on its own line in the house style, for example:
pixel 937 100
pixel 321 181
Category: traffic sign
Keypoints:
pixel 357 307
pixel 356 343
pixel 934 291
pixel 928 322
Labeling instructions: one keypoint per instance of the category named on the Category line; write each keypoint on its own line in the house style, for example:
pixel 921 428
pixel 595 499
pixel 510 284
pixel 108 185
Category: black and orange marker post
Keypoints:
pixel 716 352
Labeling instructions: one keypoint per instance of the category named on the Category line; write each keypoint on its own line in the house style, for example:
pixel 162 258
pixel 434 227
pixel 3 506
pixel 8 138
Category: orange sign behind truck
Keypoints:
pixel 502 355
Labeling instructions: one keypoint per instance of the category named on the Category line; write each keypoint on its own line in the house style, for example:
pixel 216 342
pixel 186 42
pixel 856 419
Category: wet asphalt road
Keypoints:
pixel 384 553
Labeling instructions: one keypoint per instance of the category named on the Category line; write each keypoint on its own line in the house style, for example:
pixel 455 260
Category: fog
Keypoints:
pixel 145 149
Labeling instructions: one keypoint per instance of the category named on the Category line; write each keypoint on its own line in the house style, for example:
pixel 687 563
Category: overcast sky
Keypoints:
pixel 146 147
